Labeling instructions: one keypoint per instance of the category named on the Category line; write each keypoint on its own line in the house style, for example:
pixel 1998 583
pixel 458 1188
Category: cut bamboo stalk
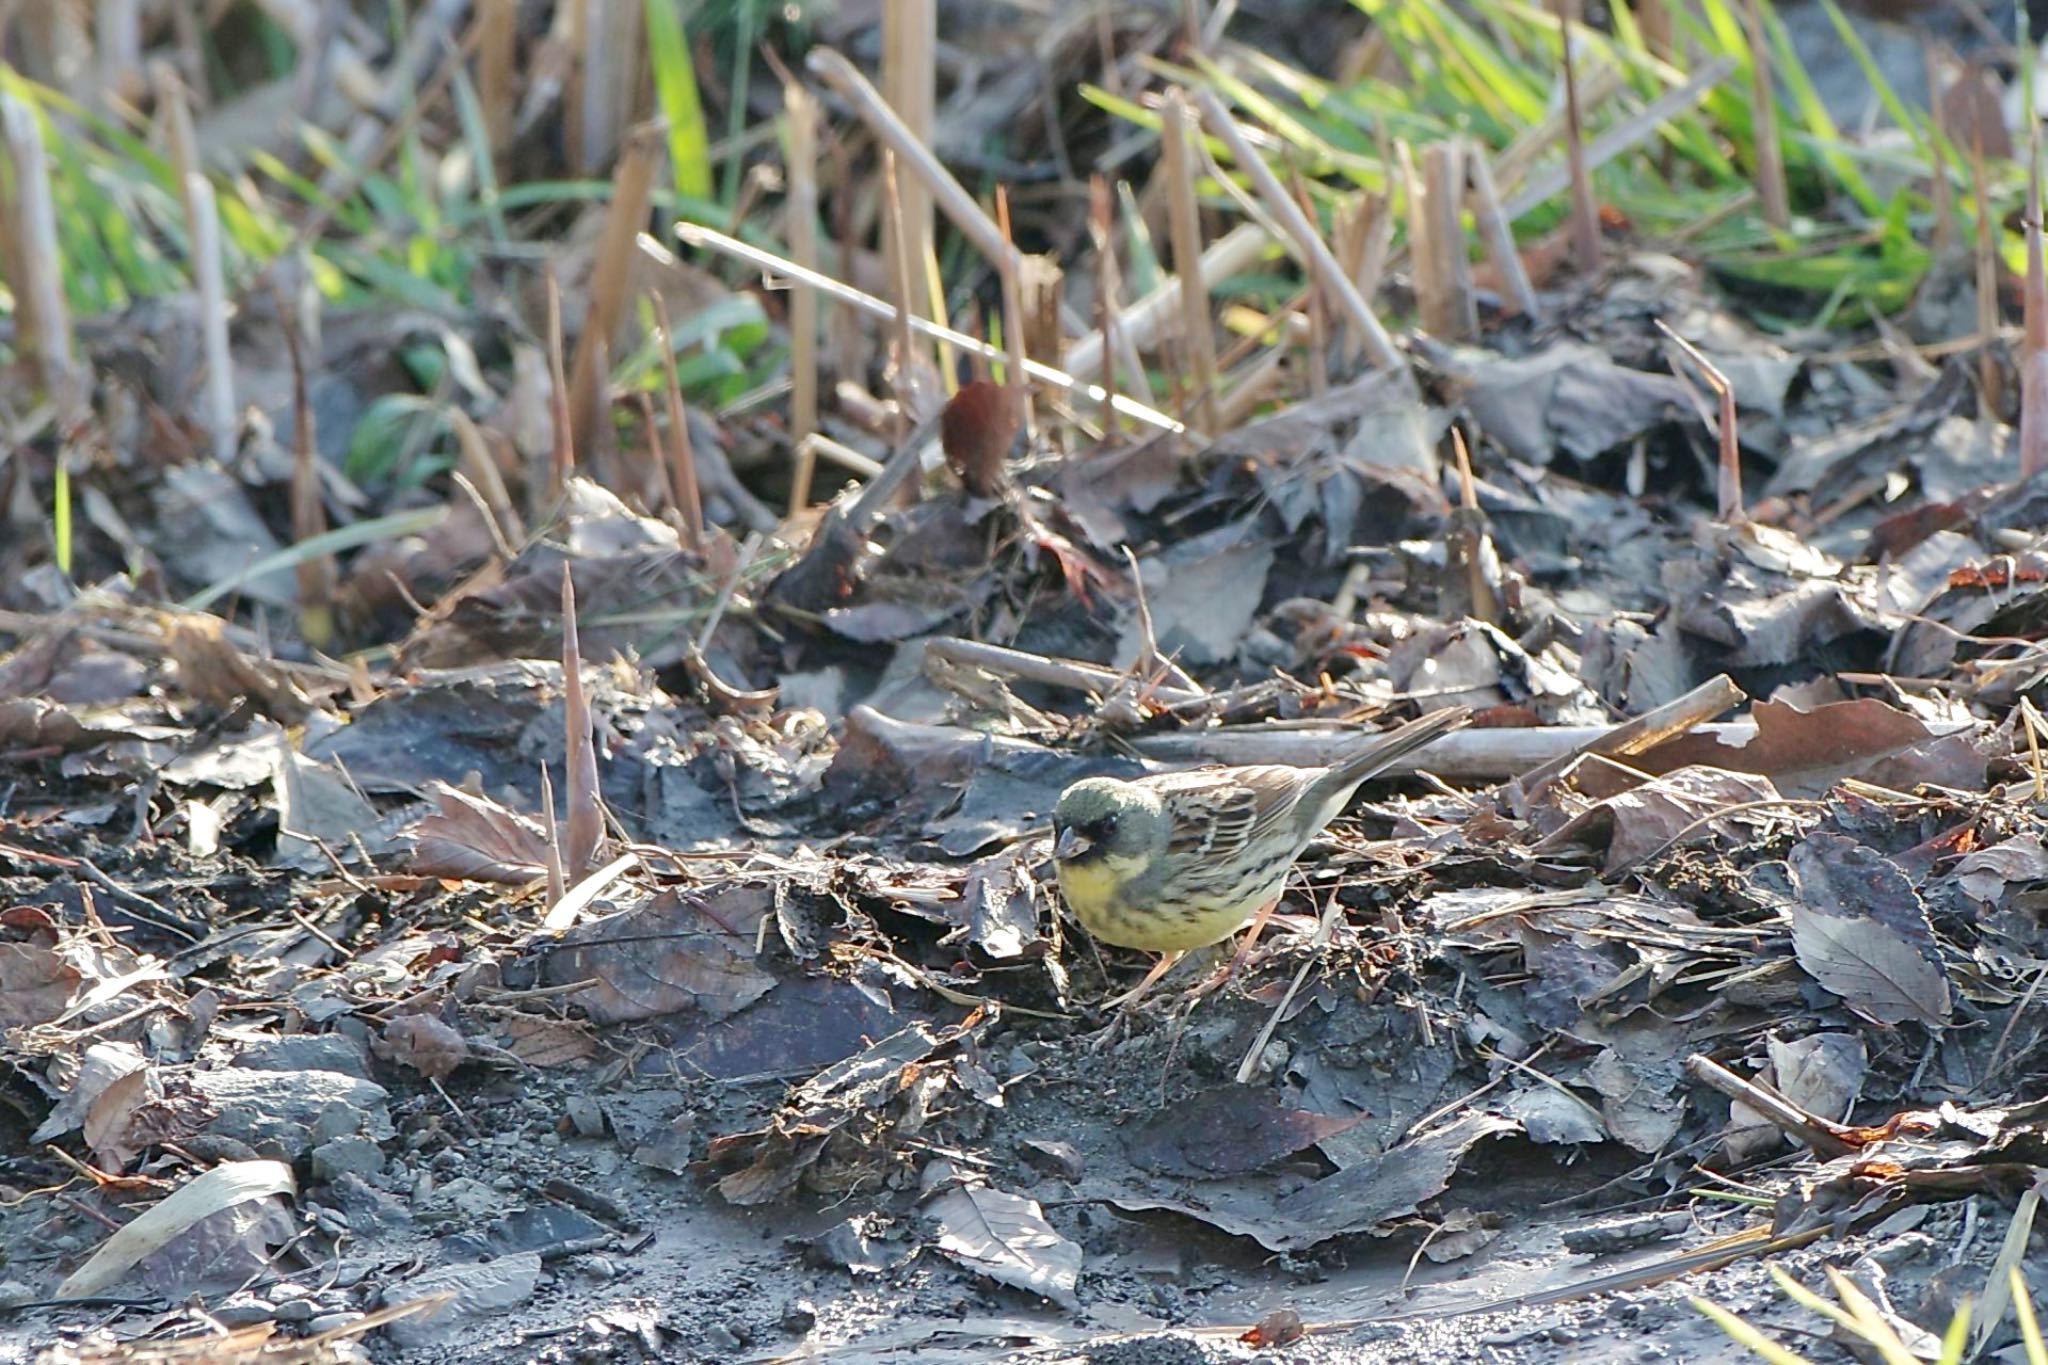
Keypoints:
pixel 802 208
pixel 1323 268
pixel 1585 213
pixel 1184 228
pixel 213 315
pixel 632 187
pixel 1499 237
pixel 1763 120
pixel 1042 284
pixel 496 81
pixel 682 451
pixel 957 204
pixel 40 290
pixel 695 234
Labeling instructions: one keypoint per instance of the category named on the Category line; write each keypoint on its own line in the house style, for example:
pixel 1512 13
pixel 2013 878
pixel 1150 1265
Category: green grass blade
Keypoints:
pixel 675 87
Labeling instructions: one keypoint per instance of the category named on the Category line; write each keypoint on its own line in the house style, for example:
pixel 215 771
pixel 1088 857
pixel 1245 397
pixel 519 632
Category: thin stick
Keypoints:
pixel 1731 510
pixel 697 235
pixel 2034 353
pixel 1763 120
pixel 1945 231
pixel 1585 214
pixel 909 82
pixel 802 209
pixel 1379 346
pixel 1989 377
pixel 1499 237
pixel 316 574
pixel 632 187
pixel 682 454
pixel 839 73
pixel 1184 227
pixel 1100 227
pixel 1444 289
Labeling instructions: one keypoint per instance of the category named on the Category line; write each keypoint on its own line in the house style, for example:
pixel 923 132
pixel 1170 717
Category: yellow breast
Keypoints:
pixel 1095 892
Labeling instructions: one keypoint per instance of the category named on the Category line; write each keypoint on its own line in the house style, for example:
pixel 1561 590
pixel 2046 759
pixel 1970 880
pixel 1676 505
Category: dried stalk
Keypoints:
pixel 117 38
pixel 1101 226
pixel 957 204
pixel 682 451
pixel 1943 195
pixel 1499 237
pixel 1988 375
pixel 610 77
pixel 586 812
pixel 910 35
pixel 695 234
pixel 213 315
pixel 1623 137
pixel 1730 481
pixel 1443 275
pixel 1379 346
pixel 632 185
pixel 497 34
pixel 2034 352
pixel 1251 386
pixel 802 209
pixel 908 363
pixel 1585 213
pixel 1763 120
pixel 562 450
pixel 1184 227
pixel 39 293
pixel 316 574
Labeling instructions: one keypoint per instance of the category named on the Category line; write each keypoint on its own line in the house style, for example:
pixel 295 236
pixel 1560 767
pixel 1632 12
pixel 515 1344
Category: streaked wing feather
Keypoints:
pixel 1218 814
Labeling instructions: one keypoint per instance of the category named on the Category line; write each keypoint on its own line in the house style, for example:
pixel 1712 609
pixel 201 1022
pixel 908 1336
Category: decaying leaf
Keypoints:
pixel 1860 929
pixel 1005 1237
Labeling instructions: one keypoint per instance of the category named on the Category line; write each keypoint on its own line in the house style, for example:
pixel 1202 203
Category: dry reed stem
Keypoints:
pixel 317 574
pixel 1184 227
pixel 802 209
pixel 632 187
pixel 562 450
pixel 910 35
pixel 1437 234
pixel 957 204
pixel 219 399
pixel 1939 190
pixel 40 291
pixel 896 250
pixel 2034 352
pixel 1499 237
pixel 1763 116
pixel 117 40
pixel 476 464
pixel 1101 226
pixel 1988 376
pixel 1585 213
pixel 497 36
pixel 609 77
pixel 682 452
pixel 1308 240
pixel 1525 193
pixel 695 234
pixel 1251 386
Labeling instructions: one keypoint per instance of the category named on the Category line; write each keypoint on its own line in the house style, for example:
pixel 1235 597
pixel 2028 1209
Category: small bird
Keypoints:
pixel 1183 860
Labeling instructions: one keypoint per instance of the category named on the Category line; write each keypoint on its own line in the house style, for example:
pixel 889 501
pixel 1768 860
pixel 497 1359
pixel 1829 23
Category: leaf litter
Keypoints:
pixel 613 915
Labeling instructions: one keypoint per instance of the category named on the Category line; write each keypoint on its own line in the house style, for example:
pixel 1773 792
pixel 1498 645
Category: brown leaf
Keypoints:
pixel 473 838
pixel 425 1043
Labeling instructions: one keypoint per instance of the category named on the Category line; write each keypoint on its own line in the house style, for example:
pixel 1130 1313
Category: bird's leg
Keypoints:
pixel 1160 968
pixel 1244 950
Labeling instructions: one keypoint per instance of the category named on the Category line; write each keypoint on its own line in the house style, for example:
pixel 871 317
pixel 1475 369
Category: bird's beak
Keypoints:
pixel 1069 845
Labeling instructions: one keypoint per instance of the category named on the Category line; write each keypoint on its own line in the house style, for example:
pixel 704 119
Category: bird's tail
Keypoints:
pixel 1382 751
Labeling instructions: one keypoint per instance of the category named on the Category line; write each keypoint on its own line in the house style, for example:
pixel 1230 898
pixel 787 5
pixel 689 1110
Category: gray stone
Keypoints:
pixel 306 1052
pixel 13 1294
pixel 294 1310
pixel 357 1156
pixel 287 1113
pixel 481 1288
pixel 328 1322
pixel 243 1310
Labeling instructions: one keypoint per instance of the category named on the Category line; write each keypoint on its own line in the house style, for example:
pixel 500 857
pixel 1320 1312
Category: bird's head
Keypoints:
pixel 1100 819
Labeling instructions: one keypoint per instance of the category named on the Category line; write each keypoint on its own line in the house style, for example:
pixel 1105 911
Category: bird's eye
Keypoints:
pixel 1109 824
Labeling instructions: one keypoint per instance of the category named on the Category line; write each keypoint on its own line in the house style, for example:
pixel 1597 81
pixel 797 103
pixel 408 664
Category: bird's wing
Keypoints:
pixel 1217 814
